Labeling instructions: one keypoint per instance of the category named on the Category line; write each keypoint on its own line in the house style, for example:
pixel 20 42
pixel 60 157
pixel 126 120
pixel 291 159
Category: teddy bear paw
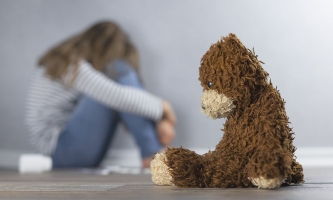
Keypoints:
pixel 271 183
pixel 159 170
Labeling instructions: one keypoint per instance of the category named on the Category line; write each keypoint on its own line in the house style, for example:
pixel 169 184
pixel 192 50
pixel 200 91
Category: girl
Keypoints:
pixel 84 87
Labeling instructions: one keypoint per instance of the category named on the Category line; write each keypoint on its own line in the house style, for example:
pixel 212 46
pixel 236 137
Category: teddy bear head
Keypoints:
pixel 232 77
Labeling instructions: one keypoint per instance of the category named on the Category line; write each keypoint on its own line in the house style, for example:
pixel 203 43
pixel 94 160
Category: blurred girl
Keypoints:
pixel 83 88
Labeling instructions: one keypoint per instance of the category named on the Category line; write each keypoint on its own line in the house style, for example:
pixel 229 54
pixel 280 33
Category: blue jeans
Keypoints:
pixel 86 138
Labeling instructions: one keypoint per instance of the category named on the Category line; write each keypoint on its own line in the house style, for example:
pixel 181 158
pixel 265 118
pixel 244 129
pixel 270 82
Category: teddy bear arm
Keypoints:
pixel 297 175
pixel 269 169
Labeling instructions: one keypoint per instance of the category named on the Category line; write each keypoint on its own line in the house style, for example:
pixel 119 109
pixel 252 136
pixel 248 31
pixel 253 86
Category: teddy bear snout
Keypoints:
pixel 215 105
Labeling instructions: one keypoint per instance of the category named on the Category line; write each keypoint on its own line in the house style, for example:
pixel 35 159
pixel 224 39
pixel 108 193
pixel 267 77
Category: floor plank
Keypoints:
pixel 73 184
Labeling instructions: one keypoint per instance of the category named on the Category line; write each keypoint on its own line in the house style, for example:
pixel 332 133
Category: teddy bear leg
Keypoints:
pixel 186 167
pixel 159 170
pixel 268 169
pixel 267 183
pixel 177 166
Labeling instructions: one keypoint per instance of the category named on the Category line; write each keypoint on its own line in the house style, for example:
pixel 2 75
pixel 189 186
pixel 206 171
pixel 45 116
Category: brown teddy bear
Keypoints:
pixel 256 148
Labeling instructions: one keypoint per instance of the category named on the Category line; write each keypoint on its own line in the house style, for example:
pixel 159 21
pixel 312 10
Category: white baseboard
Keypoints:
pixel 313 157
pixel 309 157
pixel 9 159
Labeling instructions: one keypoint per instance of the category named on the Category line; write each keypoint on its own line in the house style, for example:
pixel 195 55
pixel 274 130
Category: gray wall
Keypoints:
pixel 293 38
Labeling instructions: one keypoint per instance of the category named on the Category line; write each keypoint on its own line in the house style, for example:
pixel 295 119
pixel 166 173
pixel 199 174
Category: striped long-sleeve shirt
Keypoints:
pixel 50 103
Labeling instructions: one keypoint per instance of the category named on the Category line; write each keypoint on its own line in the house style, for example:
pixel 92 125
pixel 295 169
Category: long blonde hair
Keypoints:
pixel 99 44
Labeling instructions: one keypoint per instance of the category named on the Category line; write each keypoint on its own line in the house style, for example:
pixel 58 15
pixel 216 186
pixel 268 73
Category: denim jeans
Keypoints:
pixel 89 131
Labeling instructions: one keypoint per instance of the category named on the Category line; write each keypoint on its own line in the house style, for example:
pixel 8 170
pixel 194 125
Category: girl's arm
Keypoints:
pixel 98 86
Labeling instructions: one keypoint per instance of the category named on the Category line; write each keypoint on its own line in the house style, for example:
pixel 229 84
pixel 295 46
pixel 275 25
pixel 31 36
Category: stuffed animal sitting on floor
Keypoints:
pixel 256 148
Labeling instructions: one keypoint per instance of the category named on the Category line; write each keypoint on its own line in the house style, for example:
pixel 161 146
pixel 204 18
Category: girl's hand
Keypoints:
pixel 165 131
pixel 168 113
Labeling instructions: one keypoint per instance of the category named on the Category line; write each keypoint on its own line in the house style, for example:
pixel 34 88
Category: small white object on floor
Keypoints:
pixel 34 163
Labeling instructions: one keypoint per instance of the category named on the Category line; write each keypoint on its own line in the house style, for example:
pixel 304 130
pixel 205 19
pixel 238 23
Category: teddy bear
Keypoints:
pixel 256 149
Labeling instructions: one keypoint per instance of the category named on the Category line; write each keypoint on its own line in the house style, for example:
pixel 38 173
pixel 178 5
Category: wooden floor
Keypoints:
pixel 78 185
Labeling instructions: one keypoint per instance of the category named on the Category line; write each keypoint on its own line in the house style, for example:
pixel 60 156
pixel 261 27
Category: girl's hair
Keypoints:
pixel 99 44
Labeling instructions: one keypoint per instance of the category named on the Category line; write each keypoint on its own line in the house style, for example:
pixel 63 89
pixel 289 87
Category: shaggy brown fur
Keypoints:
pixel 257 140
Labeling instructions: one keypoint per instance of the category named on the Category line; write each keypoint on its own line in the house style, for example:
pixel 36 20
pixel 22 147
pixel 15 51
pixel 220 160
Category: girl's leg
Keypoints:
pixel 87 136
pixel 141 128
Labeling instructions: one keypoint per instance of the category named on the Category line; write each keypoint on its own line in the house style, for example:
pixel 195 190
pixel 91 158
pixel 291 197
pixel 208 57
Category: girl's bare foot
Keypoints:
pixel 146 161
